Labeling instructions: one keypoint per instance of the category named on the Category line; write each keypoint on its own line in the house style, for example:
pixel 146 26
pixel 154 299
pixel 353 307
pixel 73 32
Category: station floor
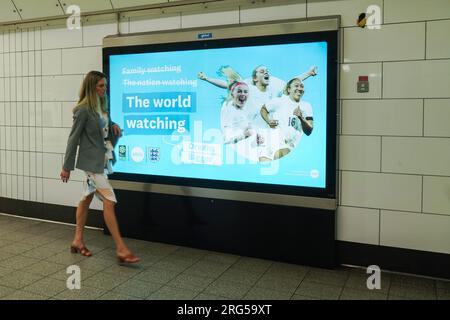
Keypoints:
pixel 35 255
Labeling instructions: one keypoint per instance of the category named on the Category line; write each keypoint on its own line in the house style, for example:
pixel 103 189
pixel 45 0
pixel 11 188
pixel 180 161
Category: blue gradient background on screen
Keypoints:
pixel 284 61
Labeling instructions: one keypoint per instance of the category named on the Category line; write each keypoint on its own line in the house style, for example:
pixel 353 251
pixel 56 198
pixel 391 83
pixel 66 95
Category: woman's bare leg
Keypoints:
pixel 111 222
pixel 81 216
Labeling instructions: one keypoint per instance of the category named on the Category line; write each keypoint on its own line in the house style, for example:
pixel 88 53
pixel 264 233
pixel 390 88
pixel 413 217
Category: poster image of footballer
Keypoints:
pixel 249 114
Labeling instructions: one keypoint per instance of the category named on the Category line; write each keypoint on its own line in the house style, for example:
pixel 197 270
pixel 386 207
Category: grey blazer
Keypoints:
pixel 88 135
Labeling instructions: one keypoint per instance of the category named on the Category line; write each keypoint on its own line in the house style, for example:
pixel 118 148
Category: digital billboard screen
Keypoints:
pixel 247 114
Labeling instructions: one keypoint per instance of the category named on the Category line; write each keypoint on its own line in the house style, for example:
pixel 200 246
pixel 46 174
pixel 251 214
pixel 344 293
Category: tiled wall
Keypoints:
pixel 394 140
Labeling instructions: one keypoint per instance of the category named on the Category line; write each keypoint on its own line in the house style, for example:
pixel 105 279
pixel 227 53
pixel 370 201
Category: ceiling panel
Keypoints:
pixel 117 4
pixel 8 11
pixel 87 5
pixel 31 9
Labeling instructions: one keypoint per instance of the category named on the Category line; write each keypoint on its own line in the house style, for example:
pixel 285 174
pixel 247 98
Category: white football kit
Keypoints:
pixel 289 131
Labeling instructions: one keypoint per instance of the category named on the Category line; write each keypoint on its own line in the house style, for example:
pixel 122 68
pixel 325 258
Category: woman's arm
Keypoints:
pixel 217 82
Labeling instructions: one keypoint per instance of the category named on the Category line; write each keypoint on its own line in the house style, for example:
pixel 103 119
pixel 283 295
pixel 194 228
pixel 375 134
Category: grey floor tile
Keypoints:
pixel 240 276
pixel 191 282
pixel 287 270
pixel 19 279
pixel 223 258
pixel 63 275
pixel 190 252
pixel 356 294
pixel 96 264
pixel 18 248
pixel 300 297
pixel 44 268
pixel 138 288
pixel 329 277
pixel 85 293
pixel 5 271
pixel 266 294
pixel 412 292
pixel 209 296
pixel 441 284
pixel 24 295
pixel 253 265
pixel 15 236
pixel 4 242
pixel 104 281
pixel 443 294
pixel 227 289
pixel 175 263
pixel 404 280
pixel 319 290
pixel 278 283
pixel 359 282
pixel 128 271
pixel 46 287
pixel 66 258
pixel 41 252
pixel 38 240
pixel 117 296
pixel 156 275
pixel 207 269
pixel 18 262
pixel 4 291
pixel 172 293
pixel 5 255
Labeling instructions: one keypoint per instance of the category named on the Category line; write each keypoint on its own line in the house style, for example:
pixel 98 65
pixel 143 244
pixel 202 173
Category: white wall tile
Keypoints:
pixel 165 22
pixel 20 187
pixel 7 86
pixel 2 114
pixel 39 164
pixel 13 162
pixel 349 10
pixel 415 10
pixel 18 60
pixel 6 65
pixel 415 231
pixel 416 155
pixel 52 164
pixel 31 35
pixel 61 37
pixel 205 19
pixel 2 138
pixel 24 39
pixel 19 89
pixel 384 191
pixel 14 187
pixel 2 92
pixel 39 139
pixel 57 192
pixel 61 88
pixel 359 153
pixel 55 139
pixel 33 189
pixel 19 132
pixel 31 64
pixel 2 68
pixel 416 79
pixel 81 60
pixel 8 186
pixel 26 188
pixel 349 78
pixel 51 114
pixel 250 14
pixel 391 42
pixel 2 185
pixel 26 138
pixel 93 34
pixel 358 225
pixel 32 139
pixel 38 89
pixel 51 62
pixel 437 115
pixel 438 45
pixel 20 163
pixel 19 118
pixel 32 89
pixel 33 164
pixel 436 195
pixel 38 62
pixel 26 163
pixel 383 117
pixel 67 114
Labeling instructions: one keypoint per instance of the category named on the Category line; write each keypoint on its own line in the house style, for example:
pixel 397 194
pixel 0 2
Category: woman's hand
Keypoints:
pixel 65 175
pixel 116 130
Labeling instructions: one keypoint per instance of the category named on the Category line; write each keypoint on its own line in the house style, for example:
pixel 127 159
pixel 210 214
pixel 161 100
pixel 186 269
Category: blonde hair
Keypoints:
pixel 88 94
